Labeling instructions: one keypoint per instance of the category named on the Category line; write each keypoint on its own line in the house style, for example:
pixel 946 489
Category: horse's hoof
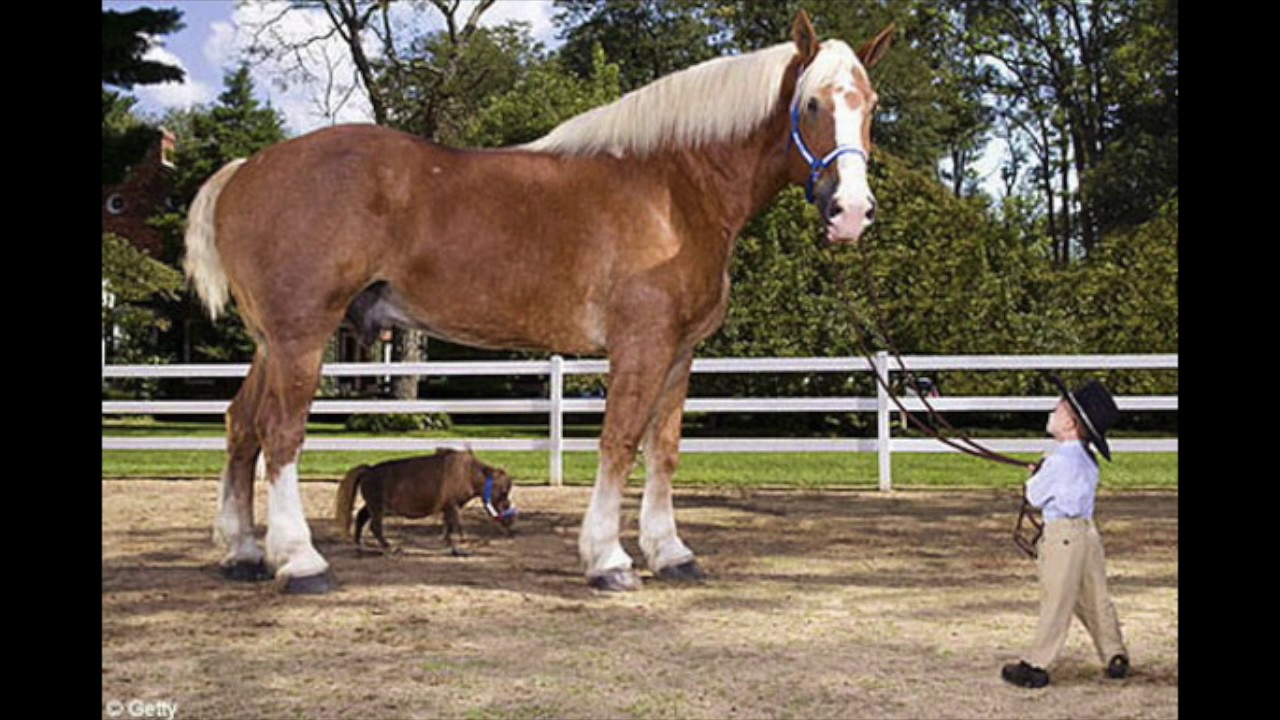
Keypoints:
pixel 689 572
pixel 246 571
pixel 459 552
pixel 310 584
pixel 623 580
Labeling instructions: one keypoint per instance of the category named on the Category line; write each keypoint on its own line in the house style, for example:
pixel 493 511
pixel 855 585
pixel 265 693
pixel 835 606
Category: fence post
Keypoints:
pixel 557 421
pixel 883 424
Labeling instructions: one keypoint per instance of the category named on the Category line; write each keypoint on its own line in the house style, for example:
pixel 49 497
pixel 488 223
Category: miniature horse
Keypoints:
pixel 420 486
pixel 611 235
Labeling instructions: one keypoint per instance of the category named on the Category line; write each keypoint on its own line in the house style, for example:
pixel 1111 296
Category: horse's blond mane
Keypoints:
pixel 720 99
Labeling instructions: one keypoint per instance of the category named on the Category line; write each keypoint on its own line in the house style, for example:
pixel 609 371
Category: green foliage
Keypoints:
pixel 125 138
pixel 449 80
pixel 126 37
pixel 1124 299
pixel 646 38
pixel 235 126
pixel 398 423
pixel 132 282
pixel 134 276
pixel 541 100
pixel 940 276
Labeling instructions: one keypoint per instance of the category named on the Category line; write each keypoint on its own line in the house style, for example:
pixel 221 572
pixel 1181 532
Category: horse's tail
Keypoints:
pixel 202 263
pixel 346 498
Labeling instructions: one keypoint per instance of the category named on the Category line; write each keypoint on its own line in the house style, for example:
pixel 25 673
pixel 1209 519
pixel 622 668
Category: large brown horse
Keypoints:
pixel 611 235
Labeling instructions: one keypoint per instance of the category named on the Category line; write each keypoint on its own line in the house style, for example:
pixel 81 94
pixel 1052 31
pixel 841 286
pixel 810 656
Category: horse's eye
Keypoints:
pixel 813 105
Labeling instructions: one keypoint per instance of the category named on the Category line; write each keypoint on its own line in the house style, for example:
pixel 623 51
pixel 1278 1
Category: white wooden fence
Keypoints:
pixel 556 405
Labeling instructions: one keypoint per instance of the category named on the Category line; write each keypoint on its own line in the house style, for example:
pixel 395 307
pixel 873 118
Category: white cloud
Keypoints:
pixel 220 49
pixel 537 14
pixel 165 95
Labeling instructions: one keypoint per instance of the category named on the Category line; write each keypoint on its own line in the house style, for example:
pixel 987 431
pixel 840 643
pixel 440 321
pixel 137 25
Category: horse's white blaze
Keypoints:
pixel 289 548
pixel 598 543
pixel 233 526
pixel 661 545
pixel 854 193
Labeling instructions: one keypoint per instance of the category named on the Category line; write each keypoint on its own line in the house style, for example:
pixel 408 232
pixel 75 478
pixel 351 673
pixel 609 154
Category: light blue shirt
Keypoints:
pixel 1067 483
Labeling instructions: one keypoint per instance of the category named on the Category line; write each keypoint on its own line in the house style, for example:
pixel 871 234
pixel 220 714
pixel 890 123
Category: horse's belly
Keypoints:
pixel 488 318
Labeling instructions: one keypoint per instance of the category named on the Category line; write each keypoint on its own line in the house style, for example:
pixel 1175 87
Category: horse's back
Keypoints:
pixel 414 487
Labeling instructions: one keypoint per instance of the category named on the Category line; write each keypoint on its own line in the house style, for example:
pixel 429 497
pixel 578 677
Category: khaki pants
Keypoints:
pixel 1073 580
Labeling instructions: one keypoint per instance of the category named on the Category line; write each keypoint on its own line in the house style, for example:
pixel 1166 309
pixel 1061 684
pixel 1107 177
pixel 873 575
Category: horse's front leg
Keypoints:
pixel 453 531
pixel 637 370
pixel 668 556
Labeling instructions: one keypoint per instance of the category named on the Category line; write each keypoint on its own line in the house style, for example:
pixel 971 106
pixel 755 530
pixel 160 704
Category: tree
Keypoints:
pixel 126 37
pixel 130 281
pixel 545 97
pixel 1090 89
pixel 237 125
pixel 646 38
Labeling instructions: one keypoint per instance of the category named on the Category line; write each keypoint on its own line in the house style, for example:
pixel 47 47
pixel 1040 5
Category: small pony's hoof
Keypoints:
pixel 458 552
pixel 625 580
pixel 246 571
pixel 310 584
pixel 685 572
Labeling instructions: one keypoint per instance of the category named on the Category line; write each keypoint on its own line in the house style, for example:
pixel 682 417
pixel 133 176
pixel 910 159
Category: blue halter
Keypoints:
pixel 508 514
pixel 816 166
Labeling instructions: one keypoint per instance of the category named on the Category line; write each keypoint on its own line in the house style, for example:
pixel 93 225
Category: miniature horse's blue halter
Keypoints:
pixel 508 514
pixel 816 166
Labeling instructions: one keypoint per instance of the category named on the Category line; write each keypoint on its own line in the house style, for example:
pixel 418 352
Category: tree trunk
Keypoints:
pixel 407 346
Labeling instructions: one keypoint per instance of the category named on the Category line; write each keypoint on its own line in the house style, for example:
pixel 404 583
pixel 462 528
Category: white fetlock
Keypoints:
pixel 233 529
pixel 289 548
pixel 598 543
pixel 664 552
pixel 604 559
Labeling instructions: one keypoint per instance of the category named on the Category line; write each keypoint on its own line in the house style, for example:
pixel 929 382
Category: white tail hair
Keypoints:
pixel 203 266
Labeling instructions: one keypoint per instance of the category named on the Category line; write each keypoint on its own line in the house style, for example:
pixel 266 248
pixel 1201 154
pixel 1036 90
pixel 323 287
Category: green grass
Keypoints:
pixel 810 470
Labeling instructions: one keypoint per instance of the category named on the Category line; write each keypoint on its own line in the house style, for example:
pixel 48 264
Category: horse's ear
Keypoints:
pixel 876 47
pixel 805 37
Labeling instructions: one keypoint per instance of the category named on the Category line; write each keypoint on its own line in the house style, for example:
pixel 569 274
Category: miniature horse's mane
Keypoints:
pixel 717 100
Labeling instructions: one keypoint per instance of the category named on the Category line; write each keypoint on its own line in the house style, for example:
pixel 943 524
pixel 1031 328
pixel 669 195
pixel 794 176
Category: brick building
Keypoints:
pixel 144 192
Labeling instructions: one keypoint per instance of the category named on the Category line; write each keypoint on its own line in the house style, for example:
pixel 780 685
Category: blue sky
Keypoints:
pixel 210 44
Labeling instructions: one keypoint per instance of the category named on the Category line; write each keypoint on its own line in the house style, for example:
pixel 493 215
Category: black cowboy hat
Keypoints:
pixel 1095 406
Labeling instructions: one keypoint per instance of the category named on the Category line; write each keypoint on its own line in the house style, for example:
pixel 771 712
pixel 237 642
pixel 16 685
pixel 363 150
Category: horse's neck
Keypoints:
pixel 738 179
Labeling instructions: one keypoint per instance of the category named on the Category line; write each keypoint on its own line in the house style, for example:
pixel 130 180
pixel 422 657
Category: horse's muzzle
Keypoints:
pixel 847 220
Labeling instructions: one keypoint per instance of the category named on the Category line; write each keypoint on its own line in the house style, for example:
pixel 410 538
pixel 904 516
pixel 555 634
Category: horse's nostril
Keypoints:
pixel 834 210
pixel 871 212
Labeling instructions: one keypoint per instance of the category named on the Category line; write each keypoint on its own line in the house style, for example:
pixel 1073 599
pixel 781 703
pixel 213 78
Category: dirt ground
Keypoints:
pixel 818 605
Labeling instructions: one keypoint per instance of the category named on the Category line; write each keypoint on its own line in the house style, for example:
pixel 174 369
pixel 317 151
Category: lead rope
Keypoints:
pixel 970 446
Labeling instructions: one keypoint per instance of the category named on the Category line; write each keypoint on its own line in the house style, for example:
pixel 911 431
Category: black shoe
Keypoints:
pixel 1118 667
pixel 1024 675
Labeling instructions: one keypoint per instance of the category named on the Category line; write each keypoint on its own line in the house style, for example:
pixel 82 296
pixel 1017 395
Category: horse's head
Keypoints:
pixel 497 496
pixel 831 115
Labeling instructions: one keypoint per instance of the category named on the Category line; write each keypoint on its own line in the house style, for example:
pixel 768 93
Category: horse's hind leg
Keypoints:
pixel 233 525
pixel 292 374
pixel 668 556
